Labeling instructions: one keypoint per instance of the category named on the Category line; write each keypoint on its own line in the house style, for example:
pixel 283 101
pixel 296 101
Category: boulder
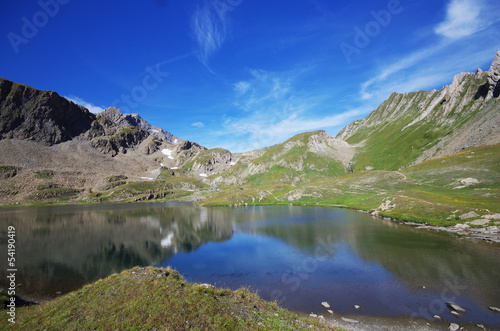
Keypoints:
pixel 461 226
pixel 454 306
pixel 480 222
pixel 495 309
pixel 469 215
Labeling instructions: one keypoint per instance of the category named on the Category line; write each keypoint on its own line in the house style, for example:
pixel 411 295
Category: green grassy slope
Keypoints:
pixel 431 192
pixel 393 137
pixel 292 162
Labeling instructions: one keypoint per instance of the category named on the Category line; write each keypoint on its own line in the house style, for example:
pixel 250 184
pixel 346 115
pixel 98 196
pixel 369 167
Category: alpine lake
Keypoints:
pixel 299 256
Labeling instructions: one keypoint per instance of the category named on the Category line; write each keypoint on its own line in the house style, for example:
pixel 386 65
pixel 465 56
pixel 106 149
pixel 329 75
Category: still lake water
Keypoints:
pixel 299 256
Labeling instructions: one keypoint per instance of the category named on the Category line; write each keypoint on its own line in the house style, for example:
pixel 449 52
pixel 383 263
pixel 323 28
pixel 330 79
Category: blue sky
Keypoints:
pixel 244 74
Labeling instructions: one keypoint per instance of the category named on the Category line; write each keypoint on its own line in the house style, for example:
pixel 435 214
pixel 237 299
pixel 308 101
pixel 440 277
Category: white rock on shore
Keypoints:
pixel 469 215
pixel 480 222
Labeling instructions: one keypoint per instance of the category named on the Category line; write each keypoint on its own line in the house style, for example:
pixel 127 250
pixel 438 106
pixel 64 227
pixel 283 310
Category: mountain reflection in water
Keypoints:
pixel 59 249
pixel 299 256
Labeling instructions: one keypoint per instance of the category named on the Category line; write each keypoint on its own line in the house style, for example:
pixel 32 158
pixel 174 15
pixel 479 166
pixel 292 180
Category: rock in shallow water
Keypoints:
pixel 455 307
pixel 454 327
pixel 325 304
pixel 495 309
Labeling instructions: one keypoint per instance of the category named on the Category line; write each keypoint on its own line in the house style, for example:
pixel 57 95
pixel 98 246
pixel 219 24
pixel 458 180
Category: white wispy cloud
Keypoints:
pixel 241 88
pixel 463 18
pixel 91 107
pixel 261 89
pixel 198 124
pixel 209 26
pixel 260 129
pixel 275 109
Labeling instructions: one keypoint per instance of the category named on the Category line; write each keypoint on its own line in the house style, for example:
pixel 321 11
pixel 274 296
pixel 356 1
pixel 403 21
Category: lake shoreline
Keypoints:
pixel 489 234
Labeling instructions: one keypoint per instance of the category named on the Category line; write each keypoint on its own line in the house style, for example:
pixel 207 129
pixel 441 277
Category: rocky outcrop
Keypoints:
pixel 212 161
pixel 41 116
pixel 494 78
pixel 125 120
pixel 128 137
pixel 189 145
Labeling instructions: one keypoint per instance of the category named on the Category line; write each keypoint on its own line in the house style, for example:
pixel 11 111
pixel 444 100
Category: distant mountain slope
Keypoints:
pixel 27 113
pixel 412 127
pixel 124 120
pixel 303 158
pixel 42 116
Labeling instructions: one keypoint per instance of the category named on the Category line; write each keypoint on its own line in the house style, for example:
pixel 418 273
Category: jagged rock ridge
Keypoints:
pixel 115 115
pixel 413 127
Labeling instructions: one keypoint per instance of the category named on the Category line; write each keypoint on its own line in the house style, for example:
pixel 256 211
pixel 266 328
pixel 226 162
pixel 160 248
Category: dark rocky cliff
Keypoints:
pixel 43 116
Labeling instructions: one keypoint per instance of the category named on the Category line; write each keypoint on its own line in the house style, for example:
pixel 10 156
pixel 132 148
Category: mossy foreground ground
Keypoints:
pixel 157 299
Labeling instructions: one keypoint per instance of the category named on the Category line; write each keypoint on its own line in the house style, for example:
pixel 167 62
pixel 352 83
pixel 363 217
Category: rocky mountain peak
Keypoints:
pixel 112 113
pixel 187 145
pixel 135 120
pixel 41 116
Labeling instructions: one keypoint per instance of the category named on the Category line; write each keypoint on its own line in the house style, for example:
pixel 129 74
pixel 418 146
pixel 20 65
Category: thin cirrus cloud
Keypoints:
pixel 260 130
pixel 198 124
pixel 275 109
pixel 209 26
pixel 91 107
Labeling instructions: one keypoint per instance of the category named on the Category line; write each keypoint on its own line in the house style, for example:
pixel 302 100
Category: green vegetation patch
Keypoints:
pixel 55 194
pixel 44 174
pixel 154 298
pixel 8 171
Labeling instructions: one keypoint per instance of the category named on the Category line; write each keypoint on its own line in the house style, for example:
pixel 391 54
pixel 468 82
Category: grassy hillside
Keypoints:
pixel 404 126
pixel 301 159
pixel 152 298
pixel 434 192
